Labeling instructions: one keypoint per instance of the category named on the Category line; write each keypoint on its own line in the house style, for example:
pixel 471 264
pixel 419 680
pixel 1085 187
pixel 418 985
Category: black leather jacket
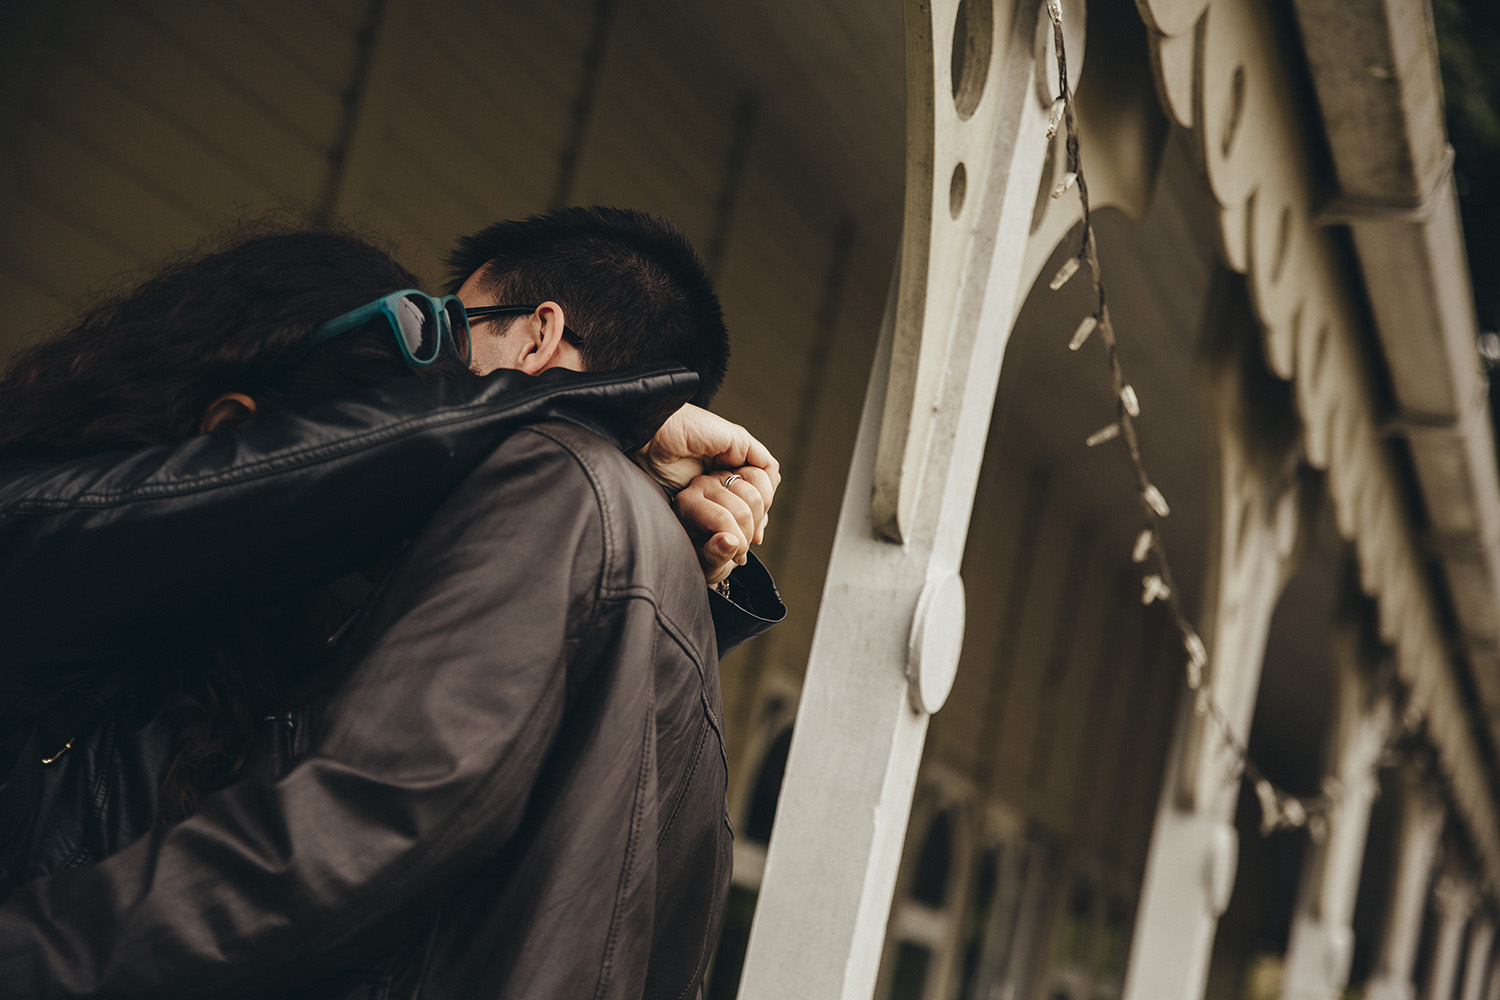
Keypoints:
pixel 332 504
pixel 101 552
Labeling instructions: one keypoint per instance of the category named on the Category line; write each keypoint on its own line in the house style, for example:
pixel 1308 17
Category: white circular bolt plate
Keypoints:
pixel 937 637
pixel 1338 957
pixel 1219 863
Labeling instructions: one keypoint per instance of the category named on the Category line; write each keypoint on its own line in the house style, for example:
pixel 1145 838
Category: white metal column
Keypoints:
pixel 1422 816
pixel 1453 898
pixel 1322 942
pixel 891 620
pixel 1194 852
pixel 1481 937
pixel 1492 990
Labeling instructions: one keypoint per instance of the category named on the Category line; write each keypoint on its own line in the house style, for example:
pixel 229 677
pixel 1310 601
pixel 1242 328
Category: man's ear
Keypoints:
pixel 543 348
pixel 233 409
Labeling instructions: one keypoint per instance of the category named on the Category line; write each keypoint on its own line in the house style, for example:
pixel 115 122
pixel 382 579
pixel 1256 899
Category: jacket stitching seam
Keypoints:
pixel 687 782
pixel 719 906
pixel 624 594
pixel 648 756
pixel 106 763
pixel 606 526
pixel 632 848
pixel 671 628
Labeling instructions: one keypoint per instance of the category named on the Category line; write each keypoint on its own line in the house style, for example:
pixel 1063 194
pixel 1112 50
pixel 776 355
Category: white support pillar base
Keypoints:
pixel 1455 901
pixel 1322 940
pixel 1189 877
pixel 1422 815
pixel 1317 961
pixel 1389 988
pixel 1481 937
pixel 1493 991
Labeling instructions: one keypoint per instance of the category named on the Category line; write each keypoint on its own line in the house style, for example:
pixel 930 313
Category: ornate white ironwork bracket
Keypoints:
pixel 955 56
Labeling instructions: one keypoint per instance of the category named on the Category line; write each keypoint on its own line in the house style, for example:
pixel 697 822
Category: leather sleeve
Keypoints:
pixel 752 607
pixel 102 550
pixel 462 675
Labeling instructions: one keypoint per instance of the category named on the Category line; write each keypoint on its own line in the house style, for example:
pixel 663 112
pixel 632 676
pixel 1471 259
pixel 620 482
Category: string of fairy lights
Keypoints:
pixel 1279 809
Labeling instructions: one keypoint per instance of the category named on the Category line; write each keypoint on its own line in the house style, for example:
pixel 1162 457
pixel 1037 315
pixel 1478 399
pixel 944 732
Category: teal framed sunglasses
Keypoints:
pixel 422 325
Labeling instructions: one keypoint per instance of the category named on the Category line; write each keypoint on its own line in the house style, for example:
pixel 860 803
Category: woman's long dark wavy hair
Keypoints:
pixel 142 367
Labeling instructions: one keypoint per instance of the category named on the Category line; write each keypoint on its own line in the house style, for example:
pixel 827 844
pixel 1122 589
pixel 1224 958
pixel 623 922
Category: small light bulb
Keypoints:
pixel 1064 274
pixel 1156 501
pixel 1143 543
pixel 1197 659
pixel 1106 433
pixel 1293 812
pixel 1055 116
pixel 1197 652
pixel 1131 400
pixel 1153 589
pixel 1086 326
pixel 1068 179
pixel 1266 794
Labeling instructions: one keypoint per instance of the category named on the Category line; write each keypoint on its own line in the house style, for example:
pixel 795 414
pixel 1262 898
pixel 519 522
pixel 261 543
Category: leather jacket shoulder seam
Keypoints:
pixel 680 639
pixel 606 560
pixel 243 473
pixel 452 416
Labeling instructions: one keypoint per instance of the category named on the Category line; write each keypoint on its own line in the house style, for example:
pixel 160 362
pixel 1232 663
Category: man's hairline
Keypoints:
pixel 490 280
pixel 490 283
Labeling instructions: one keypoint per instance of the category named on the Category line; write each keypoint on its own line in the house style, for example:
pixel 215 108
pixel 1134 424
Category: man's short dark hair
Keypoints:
pixel 632 286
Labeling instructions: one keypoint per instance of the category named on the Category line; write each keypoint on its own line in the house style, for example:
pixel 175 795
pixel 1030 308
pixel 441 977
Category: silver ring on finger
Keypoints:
pixel 731 478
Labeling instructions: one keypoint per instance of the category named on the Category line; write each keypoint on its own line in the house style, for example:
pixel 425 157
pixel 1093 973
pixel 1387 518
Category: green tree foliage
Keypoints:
pixel 1468 36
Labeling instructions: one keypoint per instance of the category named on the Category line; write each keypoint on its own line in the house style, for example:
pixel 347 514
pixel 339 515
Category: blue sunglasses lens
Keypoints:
pixel 419 327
